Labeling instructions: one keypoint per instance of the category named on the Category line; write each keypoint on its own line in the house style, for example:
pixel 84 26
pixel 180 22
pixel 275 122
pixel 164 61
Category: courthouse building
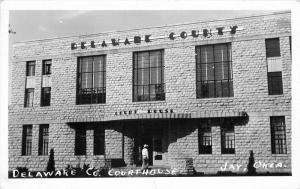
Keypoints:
pixel 211 91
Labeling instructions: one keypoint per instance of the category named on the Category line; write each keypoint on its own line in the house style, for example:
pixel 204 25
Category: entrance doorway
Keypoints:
pixel 152 135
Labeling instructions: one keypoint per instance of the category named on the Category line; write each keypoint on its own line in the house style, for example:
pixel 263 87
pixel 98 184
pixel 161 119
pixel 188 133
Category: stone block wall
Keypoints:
pixel 114 142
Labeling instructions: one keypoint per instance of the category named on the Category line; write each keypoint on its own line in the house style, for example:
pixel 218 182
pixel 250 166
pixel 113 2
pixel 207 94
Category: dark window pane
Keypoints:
pixel 99 140
pixel 278 135
pixel 275 83
pixel 27 140
pixel 30 68
pixel 205 137
pixel 204 90
pixel 80 140
pixel 272 47
pixel 43 139
pixel 46 70
pixel 211 89
pixel 46 96
pixel 219 91
pixel 227 137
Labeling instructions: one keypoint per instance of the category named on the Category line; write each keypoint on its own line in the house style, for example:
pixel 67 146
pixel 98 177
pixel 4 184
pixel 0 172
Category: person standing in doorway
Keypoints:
pixel 145 157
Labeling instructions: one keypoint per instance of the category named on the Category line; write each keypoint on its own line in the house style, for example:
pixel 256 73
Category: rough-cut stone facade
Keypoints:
pixel 250 86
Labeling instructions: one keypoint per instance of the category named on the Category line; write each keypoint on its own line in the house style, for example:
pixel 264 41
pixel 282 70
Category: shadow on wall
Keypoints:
pixel 181 129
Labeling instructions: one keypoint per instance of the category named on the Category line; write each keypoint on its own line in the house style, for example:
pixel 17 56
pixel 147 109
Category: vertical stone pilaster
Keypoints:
pixel 113 142
pixel 89 142
pixel 128 145
pixel 35 140
pixel 216 139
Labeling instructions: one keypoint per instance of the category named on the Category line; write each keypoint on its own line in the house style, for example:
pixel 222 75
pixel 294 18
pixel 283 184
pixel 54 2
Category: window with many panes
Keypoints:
pixel 27 140
pixel 227 137
pixel 80 140
pixel 214 72
pixel 99 142
pixel 274 66
pixel 204 137
pixel 43 139
pixel 278 135
pixel 46 68
pixel 148 76
pixel 91 80
pixel 30 68
pixel 29 96
pixel 46 96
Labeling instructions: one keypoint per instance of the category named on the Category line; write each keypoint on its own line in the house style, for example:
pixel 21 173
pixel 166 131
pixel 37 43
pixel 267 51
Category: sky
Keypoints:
pixel 37 24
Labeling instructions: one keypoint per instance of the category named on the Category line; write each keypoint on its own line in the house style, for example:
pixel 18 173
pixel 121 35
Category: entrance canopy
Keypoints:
pixel 196 115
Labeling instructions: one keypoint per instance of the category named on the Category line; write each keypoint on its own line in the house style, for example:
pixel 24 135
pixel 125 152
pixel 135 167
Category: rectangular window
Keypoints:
pixel 29 96
pixel 80 140
pixel 91 80
pixel 43 139
pixel 227 137
pixel 46 96
pixel 46 70
pixel 27 140
pixel 278 135
pixel 272 47
pixel 274 66
pixel 99 142
pixel 148 76
pixel 214 72
pixel 204 137
pixel 30 68
pixel 275 83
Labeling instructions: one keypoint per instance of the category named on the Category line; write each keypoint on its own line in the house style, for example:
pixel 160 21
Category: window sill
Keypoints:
pixel 216 98
pixel 275 95
pixel 90 104
pixel 280 155
pixel 152 101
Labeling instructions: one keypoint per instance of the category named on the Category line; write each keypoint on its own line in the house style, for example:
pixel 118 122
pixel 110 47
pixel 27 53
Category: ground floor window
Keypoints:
pixel 278 135
pixel 80 140
pixel 204 137
pixel 43 139
pixel 227 137
pixel 99 140
pixel 27 140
